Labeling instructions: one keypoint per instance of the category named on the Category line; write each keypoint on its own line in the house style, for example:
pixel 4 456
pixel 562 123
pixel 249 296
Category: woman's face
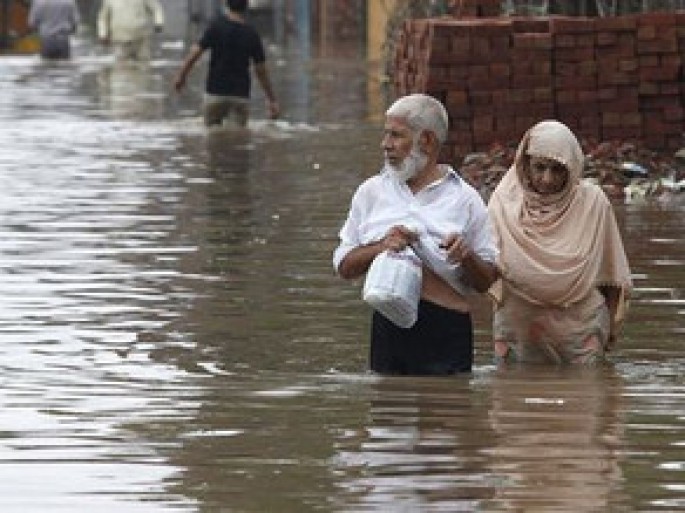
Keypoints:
pixel 547 176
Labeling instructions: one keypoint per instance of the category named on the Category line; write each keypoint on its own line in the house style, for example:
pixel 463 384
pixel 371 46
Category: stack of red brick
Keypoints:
pixel 607 78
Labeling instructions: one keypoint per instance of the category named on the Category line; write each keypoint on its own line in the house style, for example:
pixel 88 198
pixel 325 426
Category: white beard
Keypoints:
pixel 410 166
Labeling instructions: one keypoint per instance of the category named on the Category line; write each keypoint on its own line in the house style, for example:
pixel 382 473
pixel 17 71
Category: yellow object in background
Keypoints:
pixel 25 44
pixel 15 34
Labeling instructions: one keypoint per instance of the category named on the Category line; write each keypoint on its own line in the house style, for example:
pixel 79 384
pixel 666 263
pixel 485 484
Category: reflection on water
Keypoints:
pixel 558 440
pixel 131 91
pixel 172 336
pixel 513 440
pixel 421 447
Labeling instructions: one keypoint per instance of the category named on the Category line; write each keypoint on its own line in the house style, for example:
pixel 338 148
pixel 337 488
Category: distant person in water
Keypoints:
pixel 128 26
pixel 564 275
pixel 55 21
pixel 234 46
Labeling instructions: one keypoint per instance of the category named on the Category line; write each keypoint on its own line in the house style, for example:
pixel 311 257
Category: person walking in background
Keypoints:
pixel 128 25
pixel 564 273
pixel 414 201
pixel 234 45
pixel 55 21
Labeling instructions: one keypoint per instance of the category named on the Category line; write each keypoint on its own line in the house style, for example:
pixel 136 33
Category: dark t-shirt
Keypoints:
pixel 233 45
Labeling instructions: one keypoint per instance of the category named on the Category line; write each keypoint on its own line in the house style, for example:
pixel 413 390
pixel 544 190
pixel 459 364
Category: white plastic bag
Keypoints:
pixel 393 286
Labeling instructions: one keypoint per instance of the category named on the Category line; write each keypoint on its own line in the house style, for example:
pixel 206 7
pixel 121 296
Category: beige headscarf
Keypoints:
pixel 555 249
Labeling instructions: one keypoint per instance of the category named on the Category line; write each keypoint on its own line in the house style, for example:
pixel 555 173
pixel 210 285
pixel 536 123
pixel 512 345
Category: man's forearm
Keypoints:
pixel 357 261
pixel 263 77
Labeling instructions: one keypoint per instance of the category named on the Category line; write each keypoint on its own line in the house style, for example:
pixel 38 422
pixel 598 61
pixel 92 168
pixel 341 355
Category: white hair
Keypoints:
pixel 421 112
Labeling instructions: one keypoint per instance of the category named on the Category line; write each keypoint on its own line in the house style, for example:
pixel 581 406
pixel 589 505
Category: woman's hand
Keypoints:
pixel 456 247
pixel 477 273
pixel 612 297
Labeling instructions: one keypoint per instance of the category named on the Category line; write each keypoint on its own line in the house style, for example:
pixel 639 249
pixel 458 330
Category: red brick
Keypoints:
pixel 575 69
pixel 615 78
pixel 670 89
pixel 572 25
pixel 607 93
pixel 621 133
pixel 565 41
pixel 606 38
pixel 587 68
pixel 529 81
pixel 565 69
pixel 624 48
pixel 646 33
pixel 521 96
pixel 504 123
pixel 478 99
pixel 671 60
pixel 659 20
pixel 529 55
pixel 674 113
pixel 442 43
pixel 578 110
pixel 459 112
pixel 441 27
pixel 480 47
pixel 659 74
pixel 566 97
pixel 501 47
pixel 501 97
pixel 436 57
pixel 616 23
pixel 575 82
pixel 523 123
pixel 589 121
pixel 542 95
pixel 461 137
pixel 607 64
pixel 525 67
pixel 530 24
pixel 434 83
pixel 532 41
pixel 574 54
pixel 482 124
pixel 460 49
pixel 621 104
pixel 648 89
pixel 633 119
pixel 488 83
pixel 588 96
pixel 659 103
pixel 499 28
pixel 628 65
pixel 500 70
pixel 657 46
pixel 648 60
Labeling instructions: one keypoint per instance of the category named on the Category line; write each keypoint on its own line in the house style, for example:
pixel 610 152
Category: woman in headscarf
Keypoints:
pixel 564 276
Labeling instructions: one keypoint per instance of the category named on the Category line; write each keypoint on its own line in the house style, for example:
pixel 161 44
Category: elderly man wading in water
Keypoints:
pixel 416 202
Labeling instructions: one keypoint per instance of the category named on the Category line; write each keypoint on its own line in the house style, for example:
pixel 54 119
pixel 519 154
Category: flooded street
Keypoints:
pixel 173 338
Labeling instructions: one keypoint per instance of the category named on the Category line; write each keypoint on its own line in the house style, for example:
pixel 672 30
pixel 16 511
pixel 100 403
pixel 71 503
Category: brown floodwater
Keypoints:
pixel 173 338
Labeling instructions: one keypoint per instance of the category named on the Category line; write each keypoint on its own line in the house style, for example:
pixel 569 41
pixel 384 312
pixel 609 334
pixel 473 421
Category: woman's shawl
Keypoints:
pixel 555 249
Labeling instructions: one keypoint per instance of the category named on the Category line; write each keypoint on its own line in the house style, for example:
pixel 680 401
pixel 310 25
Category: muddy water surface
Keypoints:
pixel 172 337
